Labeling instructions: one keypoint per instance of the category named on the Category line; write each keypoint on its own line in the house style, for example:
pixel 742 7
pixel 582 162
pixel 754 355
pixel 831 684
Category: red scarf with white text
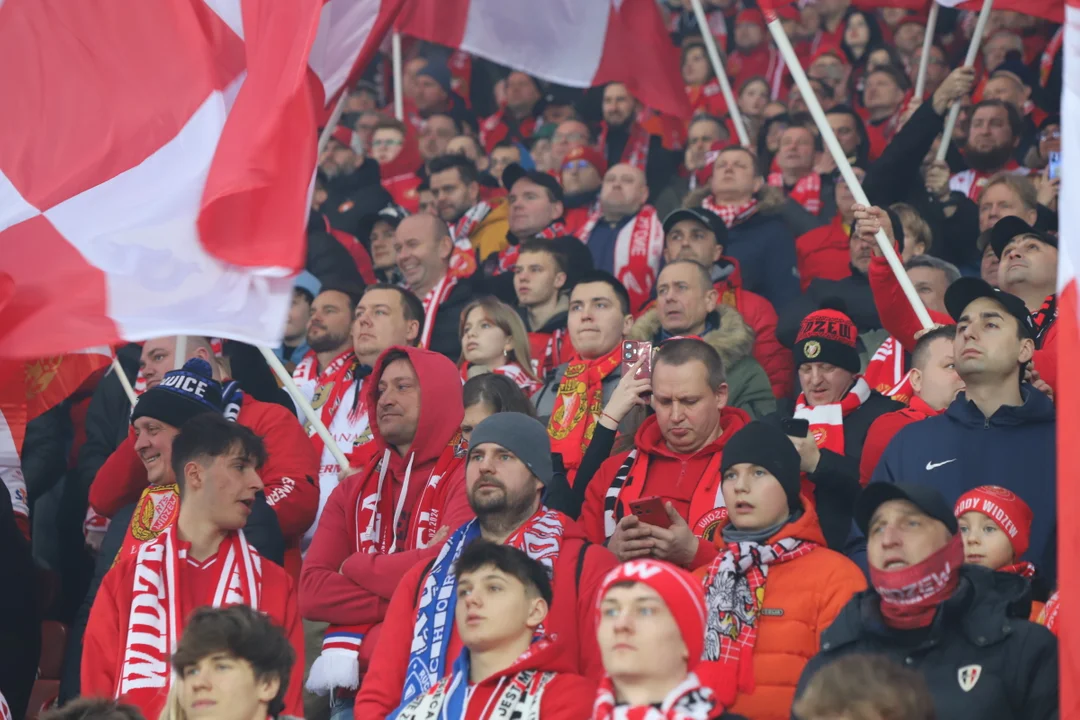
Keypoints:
pixel 463 258
pixel 638 248
pixel 910 596
pixel 885 372
pixel 807 190
pixel 330 388
pixel 827 423
pixel 732 215
pixel 432 302
pixel 636 150
pixel 157 617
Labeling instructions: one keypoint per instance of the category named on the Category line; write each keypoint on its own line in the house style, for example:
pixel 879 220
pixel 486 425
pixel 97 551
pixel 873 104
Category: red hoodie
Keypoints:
pixel 898 317
pixel 824 252
pixel 884 428
pixel 571 619
pixel 342 586
pixel 670 476
pixel 291 474
pixel 567 696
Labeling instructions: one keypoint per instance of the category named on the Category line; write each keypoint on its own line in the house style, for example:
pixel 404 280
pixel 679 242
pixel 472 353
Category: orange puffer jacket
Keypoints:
pixel 802 598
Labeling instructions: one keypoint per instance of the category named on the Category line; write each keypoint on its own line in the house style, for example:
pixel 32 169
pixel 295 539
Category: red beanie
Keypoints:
pixel 828 336
pixel 682 593
pixel 788 12
pixel 752 16
pixel 343 135
pixel 1005 508
pixel 590 155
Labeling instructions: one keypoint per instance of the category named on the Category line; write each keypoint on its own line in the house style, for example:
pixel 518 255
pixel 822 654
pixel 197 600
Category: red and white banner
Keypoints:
pixel 577 43
pixel 156 162
pixel 1052 10
pixel 1068 388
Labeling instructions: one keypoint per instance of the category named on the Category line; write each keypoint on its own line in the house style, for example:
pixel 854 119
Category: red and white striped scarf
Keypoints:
pixel 636 150
pixel 690 700
pixel 514 371
pixel 156 616
pixel 508 256
pixel 735 587
pixel 432 301
pixel 638 249
pixel 827 423
pixel 807 190
pixel 971 182
pixel 463 258
pixel 886 373
pixel 732 215
pixel 328 388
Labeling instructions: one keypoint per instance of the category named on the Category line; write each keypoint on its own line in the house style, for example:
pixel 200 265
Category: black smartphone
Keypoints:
pixel 795 427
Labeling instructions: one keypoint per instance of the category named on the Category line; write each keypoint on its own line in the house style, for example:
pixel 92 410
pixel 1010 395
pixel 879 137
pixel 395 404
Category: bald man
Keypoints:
pixel 625 236
pixel 423 247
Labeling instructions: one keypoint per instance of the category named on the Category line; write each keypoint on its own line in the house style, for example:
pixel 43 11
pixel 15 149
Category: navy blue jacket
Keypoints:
pixel 765 249
pixel 961 449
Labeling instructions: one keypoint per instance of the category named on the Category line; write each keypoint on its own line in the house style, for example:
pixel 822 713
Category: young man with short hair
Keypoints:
pixel 476 225
pixel 232 663
pixel 508 667
pixel 204 559
pixel 540 282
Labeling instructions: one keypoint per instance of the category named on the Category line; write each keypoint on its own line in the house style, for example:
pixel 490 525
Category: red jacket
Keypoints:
pixel 898 317
pixel 572 619
pixel 106 630
pixel 495 128
pixel 575 218
pixel 760 315
pixel 885 428
pixel 291 473
pixel 823 252
pixel 671 476
pixel 344 587
pixel 399 176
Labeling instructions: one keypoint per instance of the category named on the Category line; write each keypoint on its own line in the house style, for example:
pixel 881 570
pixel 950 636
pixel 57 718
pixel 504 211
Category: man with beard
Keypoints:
pixel 509 467
pixel 624 235
pixel 624 140
pixel 517 120
pixel 475 225
pixel 996 129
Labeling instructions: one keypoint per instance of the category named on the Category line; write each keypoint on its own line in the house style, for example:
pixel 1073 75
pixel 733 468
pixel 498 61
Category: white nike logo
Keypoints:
pixel 932 465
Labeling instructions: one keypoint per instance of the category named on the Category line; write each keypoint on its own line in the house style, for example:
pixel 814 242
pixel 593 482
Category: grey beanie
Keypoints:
pixel 522 435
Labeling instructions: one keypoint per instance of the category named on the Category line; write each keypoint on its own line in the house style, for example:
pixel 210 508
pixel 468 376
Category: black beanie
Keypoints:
pixel 767 446
pixel 181 395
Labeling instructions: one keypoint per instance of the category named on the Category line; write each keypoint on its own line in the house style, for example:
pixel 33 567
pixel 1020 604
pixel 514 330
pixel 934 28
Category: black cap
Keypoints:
pixel 1013 65
pixel 926 498
pixel 967 290
pixel 709 219
pixel 391 214
pixel 1010 226
pixel 515 172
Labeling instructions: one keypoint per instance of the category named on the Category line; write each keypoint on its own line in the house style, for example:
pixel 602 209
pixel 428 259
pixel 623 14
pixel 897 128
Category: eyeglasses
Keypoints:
pixel 568 137
pixel 1050 135
pixel 575 165
pixel 385 143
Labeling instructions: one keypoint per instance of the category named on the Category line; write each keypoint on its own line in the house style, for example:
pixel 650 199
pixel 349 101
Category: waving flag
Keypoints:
pixel 1052 10
pixel 156 160
pixel 577 43
pixel 1068 389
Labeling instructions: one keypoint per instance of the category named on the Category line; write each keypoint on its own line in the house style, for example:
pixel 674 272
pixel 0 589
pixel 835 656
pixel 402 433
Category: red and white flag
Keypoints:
pixel 577 43
pixel 156 162
pixel 1052 10
pixel 1067 398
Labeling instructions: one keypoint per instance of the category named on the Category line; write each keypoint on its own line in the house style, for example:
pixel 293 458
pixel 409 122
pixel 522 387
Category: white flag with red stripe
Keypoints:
pixel 1052 10
pixel 156 161
pixel 577 43
pixel 1067 398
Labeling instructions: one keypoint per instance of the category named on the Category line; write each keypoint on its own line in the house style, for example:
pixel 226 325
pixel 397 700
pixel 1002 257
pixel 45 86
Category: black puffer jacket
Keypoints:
pixel 979 640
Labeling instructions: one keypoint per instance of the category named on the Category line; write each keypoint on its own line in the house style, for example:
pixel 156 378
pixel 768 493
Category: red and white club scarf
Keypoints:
pixel 1048 617
pixel 157 616
pixel 690 700
pixel 911 595
pixel 636 150
pixel 807 190
pixel 508 256
pixel 327 389
pixel 885 372
pixel 732 215
pixel 514 371
pixel 463 258
pixel 338 665
pixel 435 298
pixel 638 249
pixel 827 423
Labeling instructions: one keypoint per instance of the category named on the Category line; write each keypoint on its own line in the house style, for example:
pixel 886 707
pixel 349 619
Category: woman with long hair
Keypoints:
pixel 862 35
pixel 493 339
pixel 487 394
pixel 702 88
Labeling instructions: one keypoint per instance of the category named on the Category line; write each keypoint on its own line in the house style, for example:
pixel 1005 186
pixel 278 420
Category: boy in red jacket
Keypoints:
pixel 508 468
pixel 204 559
pixel 508 668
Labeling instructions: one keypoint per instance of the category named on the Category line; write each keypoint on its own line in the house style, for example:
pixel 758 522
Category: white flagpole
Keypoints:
pixel 927 44
pixel 118 370
pixel 969 61
pixel 721 75
pixel 331 122
pixel 180 354
pixel 840 157
pixel 399 83
pixel 305 407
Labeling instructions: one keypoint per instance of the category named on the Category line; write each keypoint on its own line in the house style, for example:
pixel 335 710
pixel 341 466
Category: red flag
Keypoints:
pixel 574 43
pixel 1052 10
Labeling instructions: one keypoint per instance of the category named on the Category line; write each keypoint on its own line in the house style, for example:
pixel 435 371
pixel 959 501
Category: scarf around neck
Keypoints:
pixel 639 246
pixel 578 405
pixel 806 192
pixel 732 215
pixel 735 586
pixel 910 596
pixel 635 151
pixel 690 700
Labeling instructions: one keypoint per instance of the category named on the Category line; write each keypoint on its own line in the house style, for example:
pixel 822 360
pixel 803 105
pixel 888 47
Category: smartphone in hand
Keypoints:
pixel 651 510
pixel 795 427
pixel 631 351
pixel 1053 168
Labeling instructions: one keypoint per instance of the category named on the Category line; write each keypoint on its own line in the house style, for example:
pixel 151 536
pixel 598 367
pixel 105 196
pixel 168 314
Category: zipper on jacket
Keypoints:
pixel 986 423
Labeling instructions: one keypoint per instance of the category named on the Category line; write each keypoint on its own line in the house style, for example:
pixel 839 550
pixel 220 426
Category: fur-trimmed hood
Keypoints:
pixel 733 338
pixel 770 199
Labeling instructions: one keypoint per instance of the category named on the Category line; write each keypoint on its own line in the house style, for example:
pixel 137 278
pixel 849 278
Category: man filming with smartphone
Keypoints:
pixel 662 497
